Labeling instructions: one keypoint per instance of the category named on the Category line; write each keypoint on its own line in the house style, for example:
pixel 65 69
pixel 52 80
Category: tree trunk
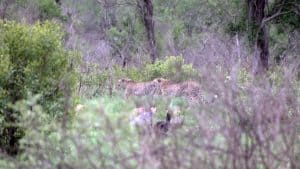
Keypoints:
pixel 256 14
pixel 146 11
pixel 58 2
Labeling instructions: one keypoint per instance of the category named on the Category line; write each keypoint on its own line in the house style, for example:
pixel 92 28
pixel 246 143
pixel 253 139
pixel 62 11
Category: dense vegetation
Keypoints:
pixel 62 105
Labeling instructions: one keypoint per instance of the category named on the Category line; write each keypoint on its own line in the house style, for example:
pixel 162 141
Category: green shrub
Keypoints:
pixel 33 60
pixel 101 130
pixel 172 67
pixel 48 9
pixel 99 135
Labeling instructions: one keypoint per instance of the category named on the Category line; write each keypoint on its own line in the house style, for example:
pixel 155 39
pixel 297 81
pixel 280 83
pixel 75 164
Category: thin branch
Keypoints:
pixel 272 16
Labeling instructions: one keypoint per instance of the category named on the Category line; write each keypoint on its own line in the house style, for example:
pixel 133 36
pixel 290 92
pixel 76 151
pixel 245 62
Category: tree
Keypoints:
pixel 256 15
pixel 145 8
pixel 125 29
pixel 260 13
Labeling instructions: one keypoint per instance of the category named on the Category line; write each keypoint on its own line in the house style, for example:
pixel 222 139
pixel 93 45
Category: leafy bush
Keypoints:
pixel 172 67
pixel 33 60
pixel 98 134
pixel 48 9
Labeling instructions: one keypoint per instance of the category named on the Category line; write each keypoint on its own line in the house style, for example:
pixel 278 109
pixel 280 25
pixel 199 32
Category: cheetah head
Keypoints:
pixel 161 81
pixel 123 82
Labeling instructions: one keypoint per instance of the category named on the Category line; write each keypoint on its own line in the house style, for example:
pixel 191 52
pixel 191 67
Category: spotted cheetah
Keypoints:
pixel 190 90
pixel 137 88
pixel 168 88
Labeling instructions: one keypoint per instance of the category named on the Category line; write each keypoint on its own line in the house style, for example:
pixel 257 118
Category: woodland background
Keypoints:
pixel 58 54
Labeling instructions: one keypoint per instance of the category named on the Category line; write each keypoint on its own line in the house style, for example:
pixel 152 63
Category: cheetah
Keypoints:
pixel 137 88
pixel 189 90
pixel 168 88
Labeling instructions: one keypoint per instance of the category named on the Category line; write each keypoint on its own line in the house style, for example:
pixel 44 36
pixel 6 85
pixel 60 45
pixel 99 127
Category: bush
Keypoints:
pixel 33 60
pixel 48 9
pixel 100 136
pixel 97 135
pixel 172 67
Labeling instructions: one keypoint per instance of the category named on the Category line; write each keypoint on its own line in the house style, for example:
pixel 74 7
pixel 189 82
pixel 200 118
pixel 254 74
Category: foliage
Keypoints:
pixel 94 81
pixel 97 82
pixel 279 41
pixel 172 67
pixel 126 35
pixel 279 26
pixel 100 135
pixel 244 77
pixel 48 9
pixel 250 122
pixel 97 135
pixel 237 23
pixel 34 62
